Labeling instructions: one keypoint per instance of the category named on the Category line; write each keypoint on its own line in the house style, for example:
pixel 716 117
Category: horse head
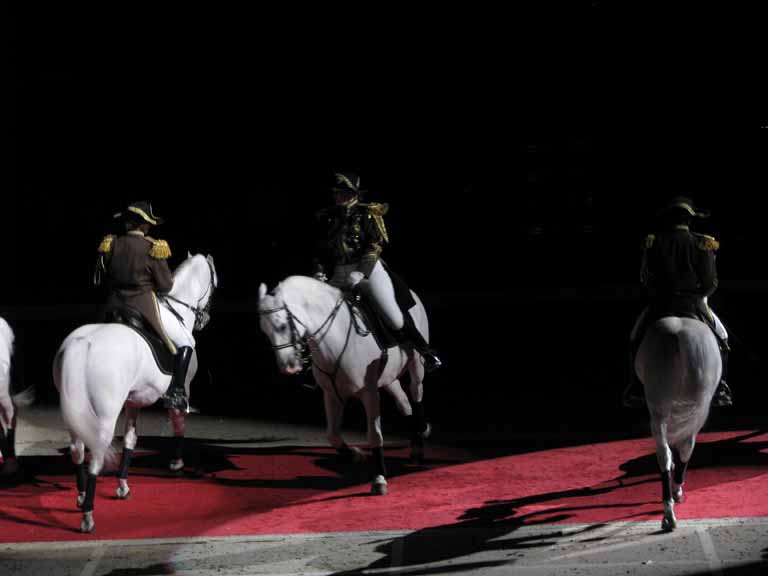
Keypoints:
pixel 285 332
pixel 195 281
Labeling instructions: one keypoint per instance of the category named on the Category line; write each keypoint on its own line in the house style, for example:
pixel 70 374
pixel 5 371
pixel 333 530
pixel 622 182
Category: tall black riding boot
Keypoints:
pixel 409 333
pixel 176 397
pixel 723 396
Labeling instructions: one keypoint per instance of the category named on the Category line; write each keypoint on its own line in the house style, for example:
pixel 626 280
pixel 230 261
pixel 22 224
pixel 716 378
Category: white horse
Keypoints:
pixel 680 366
pixel 100 368
pixel 305 315
pixel 9 404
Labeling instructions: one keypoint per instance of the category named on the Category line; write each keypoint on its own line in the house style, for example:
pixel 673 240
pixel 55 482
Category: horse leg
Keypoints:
pixel 681 455
pixel 371 401
pixel 77 454
pixel 87 524
pixel 414 417
pixel 129 444
pixel 8 449
pixel 416 388
pixel 179 429
pixel 334 413
pixel 664 457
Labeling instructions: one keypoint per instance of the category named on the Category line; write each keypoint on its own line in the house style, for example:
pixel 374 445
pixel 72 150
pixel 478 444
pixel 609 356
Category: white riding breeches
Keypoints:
pixel 377 288
pixel 720 330
pixel 178 333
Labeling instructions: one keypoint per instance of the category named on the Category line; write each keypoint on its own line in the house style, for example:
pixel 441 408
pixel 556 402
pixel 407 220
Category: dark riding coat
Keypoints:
pixel 679 271
pixel 136 271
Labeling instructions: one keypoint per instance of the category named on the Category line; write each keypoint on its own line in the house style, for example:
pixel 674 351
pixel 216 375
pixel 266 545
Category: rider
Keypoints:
pixel 352 241
pixel 136 270
pixel 679 272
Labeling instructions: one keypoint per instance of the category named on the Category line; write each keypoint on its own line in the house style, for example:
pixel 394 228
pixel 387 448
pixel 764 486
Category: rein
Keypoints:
pixel 310 341
pixel 202 314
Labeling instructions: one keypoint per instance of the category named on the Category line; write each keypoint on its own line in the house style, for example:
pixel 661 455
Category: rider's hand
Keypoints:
pixel 354 279
pixel 320 276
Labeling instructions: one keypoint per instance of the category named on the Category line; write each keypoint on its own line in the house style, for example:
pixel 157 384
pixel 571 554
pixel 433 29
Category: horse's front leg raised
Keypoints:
pixel 129 444
pixel 664 457
pixel 370 399
pixel 179 423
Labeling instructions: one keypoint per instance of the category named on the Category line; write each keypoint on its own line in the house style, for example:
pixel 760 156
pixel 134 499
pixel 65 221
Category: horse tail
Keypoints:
pixel 70 374
pixel 688 411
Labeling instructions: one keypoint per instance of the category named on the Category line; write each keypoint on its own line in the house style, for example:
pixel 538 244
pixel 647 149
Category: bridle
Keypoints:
pixel 202 314
pixel 303 344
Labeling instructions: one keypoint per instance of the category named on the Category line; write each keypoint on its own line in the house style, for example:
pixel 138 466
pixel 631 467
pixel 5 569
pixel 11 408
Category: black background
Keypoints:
pixel 522 155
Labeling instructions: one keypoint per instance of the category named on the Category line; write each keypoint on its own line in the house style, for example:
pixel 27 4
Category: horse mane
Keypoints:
pixel 183 269
pixel 306 286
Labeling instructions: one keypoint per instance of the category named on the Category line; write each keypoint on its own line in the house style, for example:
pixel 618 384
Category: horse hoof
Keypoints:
pixel 668 525
pixel 80 499
pixel 677 496
pixel 87 525
pixel 176 465
pixel 379 486
pixel 123 493
pixel 427 432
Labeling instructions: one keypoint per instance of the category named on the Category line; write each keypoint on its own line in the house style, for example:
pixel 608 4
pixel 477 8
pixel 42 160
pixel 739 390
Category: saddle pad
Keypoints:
pixel 163 356
pixel 380 331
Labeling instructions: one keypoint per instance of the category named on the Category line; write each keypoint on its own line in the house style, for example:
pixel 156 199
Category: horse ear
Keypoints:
pixel 262 290
pixel 189 254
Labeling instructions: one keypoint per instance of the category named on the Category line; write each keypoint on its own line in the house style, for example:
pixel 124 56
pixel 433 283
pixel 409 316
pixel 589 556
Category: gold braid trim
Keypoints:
pixel 160 250
pixel 106 244
pixel 648 242
pixel 707 243
pixel 377 211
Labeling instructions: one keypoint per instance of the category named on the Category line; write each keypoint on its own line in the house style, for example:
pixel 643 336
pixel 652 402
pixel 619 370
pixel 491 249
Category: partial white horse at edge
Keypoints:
pixel 680 366
pixel 100 368
pixel 303 314
pixel 9 404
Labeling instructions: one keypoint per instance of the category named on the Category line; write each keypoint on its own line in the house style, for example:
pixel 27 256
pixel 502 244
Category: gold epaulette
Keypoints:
pixel 377 211
pixel 707 243
pixel 106 244
pixel 648 242
pixel 160 249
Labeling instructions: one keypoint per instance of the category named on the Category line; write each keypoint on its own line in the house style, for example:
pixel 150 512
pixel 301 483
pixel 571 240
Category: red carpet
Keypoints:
pixel 297 490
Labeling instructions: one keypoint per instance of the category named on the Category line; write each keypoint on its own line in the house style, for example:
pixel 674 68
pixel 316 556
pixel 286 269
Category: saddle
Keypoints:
pixel 363 309
pixel 381 332
pixel 163 357
pixel 684 309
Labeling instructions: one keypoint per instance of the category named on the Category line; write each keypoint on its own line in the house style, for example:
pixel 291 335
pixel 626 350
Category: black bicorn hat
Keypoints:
pixel 346 182
pixel 143 210
pixel 684 204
